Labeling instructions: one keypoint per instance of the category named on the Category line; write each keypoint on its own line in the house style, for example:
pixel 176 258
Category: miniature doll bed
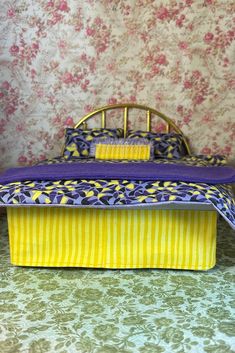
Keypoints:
pixel 125 220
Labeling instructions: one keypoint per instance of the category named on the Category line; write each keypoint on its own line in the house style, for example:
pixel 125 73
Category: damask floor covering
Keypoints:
pixel 100 311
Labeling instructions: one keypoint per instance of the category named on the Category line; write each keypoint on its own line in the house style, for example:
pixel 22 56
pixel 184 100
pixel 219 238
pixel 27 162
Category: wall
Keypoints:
pixel 60 59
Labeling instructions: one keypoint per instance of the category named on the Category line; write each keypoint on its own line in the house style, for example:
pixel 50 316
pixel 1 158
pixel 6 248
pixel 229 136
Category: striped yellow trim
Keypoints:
pixel 105 151
pixel 133 238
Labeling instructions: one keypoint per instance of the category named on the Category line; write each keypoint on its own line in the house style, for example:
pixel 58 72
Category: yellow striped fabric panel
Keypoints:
pixel 45 236
pixel 105 151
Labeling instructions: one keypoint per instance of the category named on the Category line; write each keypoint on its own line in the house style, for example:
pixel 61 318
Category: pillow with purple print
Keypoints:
pixel 78 141
pixel 166 145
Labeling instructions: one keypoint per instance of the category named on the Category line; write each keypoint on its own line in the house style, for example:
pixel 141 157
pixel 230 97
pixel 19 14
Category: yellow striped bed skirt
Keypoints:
pixel 133 238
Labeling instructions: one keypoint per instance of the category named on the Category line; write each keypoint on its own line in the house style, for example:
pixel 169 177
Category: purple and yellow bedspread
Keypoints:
pixel 116 193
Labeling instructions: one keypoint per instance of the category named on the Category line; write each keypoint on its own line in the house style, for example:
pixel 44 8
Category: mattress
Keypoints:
pixel 82 185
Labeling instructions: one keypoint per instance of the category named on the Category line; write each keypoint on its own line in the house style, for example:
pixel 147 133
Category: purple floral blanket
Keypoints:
pixel 121 171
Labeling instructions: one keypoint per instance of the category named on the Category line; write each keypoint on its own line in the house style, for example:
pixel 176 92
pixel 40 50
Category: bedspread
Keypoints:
pixel 118 193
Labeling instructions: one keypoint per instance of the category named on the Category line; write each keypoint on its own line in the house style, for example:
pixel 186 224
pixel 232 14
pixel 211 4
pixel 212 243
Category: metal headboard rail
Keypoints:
pixel 150 112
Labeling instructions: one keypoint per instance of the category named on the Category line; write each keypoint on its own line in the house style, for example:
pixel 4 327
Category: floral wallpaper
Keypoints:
pixel 60 59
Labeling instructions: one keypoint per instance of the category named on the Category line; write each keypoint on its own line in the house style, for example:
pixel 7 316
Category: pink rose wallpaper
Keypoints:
pixel 60 59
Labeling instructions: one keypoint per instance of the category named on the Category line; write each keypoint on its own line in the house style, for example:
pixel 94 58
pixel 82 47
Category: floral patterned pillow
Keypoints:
pixel 78 141
pixel 166 145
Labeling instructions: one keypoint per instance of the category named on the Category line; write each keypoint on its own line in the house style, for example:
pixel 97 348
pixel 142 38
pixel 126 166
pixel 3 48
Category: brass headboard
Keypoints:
pixel 170 125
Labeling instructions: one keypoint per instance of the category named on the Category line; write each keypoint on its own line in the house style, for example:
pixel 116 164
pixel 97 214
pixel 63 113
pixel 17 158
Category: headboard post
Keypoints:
pixel 103 119
pixel 125 121
pixel 148 120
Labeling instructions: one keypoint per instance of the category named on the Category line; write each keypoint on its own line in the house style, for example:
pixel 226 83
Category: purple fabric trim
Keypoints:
pixel 122 171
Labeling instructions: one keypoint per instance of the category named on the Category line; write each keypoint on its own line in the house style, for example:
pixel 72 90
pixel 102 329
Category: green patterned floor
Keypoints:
pixel 141 311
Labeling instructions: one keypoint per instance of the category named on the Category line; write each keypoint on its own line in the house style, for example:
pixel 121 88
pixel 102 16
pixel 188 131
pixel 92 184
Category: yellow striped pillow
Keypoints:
pixel 123 149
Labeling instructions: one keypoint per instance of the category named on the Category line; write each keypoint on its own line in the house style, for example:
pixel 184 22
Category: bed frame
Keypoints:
pixel 114 238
